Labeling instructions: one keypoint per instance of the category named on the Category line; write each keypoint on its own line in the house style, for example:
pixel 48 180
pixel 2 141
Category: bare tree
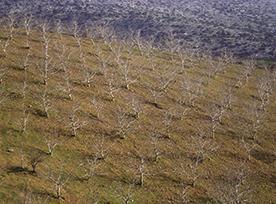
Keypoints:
pixel 36 160
pixel 28 27
pixel 234 188
pixel 26 61
pixel 52 143
pixel 46 67
pixel 59 180
pixel 103 60
pixel 88 74
pixel 142 171
pixel 247 71
pixel 167 123
pixel 112 89
pixel 123 124
pixel 191 91
pixel 166 79
pixel 45 102
pixel 25 118
pixel 75 122
pixel 97 106
pixel 125 194
pixel 3 94
pixel 265 90
pixel 136 108
pixel 127 78
pixel 66 85
pixel 11 24
pixel 89 165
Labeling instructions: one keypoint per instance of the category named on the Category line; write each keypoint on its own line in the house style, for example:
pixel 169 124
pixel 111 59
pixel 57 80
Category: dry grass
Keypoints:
pixel 164 178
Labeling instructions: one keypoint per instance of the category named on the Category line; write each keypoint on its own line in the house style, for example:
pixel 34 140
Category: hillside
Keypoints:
pixel 245 28
pixel 87 120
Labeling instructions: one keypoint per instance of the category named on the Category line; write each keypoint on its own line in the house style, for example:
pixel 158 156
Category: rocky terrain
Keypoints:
pixel 245 28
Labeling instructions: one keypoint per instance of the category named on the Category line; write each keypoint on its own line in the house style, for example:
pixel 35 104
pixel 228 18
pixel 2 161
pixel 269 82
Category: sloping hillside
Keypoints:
pixel 86 120
pixel 245 28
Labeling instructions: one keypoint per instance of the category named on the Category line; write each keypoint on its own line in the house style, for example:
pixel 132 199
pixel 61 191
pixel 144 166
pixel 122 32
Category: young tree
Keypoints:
pixel 191 91
pixel 66 85
pixel 141 171
pixel 112 89
pixel 166 79
pixel 11 24
pixel 52 143
pixel 75 122
pixel 25 118
pixel 89 165
pixel 155 146
pixel 247 71
pixel 88 74
pixel 36 160
pixel 127 78
pixel 59 180
pixel 97 106
pixel 265 90
pixel 27 25
pixel 103 60
pixel 45 102
pixel 46 66
pixel 234 188
pixel 123 124
pixel 136 108
pixel 125 194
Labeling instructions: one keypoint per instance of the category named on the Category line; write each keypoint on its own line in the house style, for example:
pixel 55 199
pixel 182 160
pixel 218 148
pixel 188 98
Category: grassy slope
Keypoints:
pixel 118 168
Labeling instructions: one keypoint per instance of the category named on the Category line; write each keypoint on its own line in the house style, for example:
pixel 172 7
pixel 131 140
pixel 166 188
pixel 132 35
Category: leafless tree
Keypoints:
pixel 97 106
pixel 25 118
pixel 167 123
pixel 125 194
pixel 166 79
pixel 89 166
pixel 11 24
pixel 3 94
pixel 234 188
pixel 59 180
pixel 52 143
pixel 127 78
pixel 59 30
pixel 136 108
pixel 214 67
pixel 142 171
pixel 123 124
pixel 103 60
pixel 102 148
pixel 27 25
pixel 155 146
pixel 26 61
pixel 265 90
pixel 202 146
pixel 247 71
pixel 66 85
pixel 172 44
pixel 88 74
pixel 75 122
pixel 46 67
pixel 191 91
pixel 117 51
pixel 3 72
pixel 36 160
pixel 112 89
pixel 45 102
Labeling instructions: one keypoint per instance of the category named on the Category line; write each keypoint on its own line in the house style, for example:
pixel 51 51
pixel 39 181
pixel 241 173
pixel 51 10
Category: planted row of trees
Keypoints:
pixel 65 68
